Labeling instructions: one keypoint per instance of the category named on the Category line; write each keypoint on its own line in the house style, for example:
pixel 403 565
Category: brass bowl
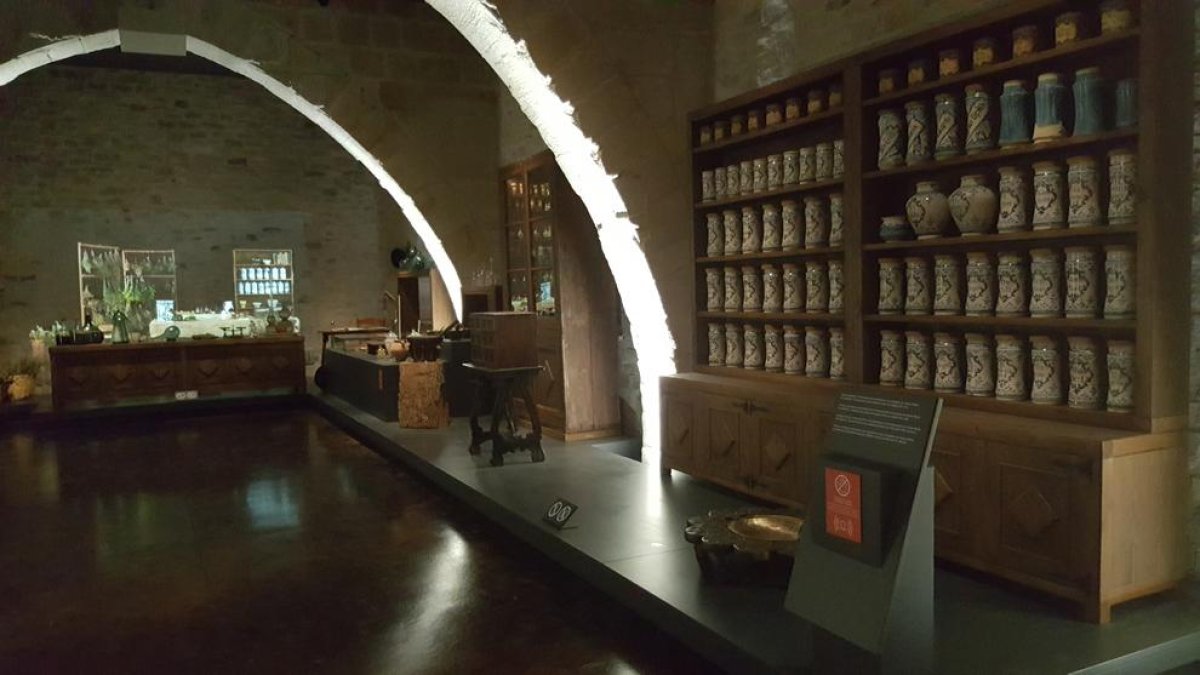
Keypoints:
pixel 767 527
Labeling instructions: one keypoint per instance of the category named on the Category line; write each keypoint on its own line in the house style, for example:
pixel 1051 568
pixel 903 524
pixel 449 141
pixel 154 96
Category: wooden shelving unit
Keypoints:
pixel 1020 483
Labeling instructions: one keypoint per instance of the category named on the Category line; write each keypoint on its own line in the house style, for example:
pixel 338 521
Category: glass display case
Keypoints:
pixel 152 272
pixel 262 279
pixel 529 233
pixel 101 282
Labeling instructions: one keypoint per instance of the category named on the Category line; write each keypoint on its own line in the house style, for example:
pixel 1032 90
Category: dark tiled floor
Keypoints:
pixel 272 542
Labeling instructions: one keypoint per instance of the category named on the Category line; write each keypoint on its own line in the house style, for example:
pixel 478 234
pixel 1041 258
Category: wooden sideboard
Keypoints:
pixel 109 374
pixel 1090 514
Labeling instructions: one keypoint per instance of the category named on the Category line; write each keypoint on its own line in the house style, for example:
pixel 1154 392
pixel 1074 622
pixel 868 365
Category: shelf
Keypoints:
pixel 158 276
pixel 780 192
pixel 786 317
pixel 967 242
pixel 798 379
pixel 1074 48
pixel 767 132
pixel 997 323
pixel 772 255
pixel 1010 153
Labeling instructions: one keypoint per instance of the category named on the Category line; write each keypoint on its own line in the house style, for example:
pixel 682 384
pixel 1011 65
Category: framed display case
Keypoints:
pixel 261 276
pixel 155 269
pixel 101 281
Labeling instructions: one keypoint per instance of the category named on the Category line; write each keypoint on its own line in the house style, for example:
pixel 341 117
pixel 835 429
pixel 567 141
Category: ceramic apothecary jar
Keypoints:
pixel 733 345
pixel 754 349
pixel 732 224
pixel 919 149
pixel 774 171
pixel 751 289
pixel 793 288
pixel 1122 182
pixel 947 363
pixel 1120 282
pixel 1120 376
pixel 837 353
pixel 928 211
pixel 716 344
pixel 707 190
pixel 759 175
pixel 947 285
pixel 917 360
pixel 816 287
pixel 980 365
pixel 1082 283
pixel 1085 390
pixel 744 178
pixel 751 230
pixel 918 286
pixel 891 358
pixel 824 168
pixel 816 352
pixel 1049 196
pixel 793 230
pixel 837 219
pixel 1012 285
pixel 981 284
pixel 973 206
pixel 713 283
pixel 1046 293
pixel 839 158
pixel 837 287
pixel 772 283
pixel 1014 200
pixel 895 228
pixel 773 349
pixel 1049 101
pixel 733 289
pixel 980 134
pixel 716 235
pixel 791 167
pixel 808 164
pixel 891 286
pixel 772 228
pixel 1083 193
pixel 793 351
pixel 891 139
pixel 720 182
pixel 816 222
pixel 1046 387
pixel 947 141
pixel 1010 368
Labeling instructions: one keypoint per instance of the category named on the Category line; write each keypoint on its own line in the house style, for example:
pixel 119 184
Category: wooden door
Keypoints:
pixel 678 431
pixel 772 441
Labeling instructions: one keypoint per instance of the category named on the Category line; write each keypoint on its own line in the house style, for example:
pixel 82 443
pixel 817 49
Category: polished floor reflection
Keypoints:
pixel 272 542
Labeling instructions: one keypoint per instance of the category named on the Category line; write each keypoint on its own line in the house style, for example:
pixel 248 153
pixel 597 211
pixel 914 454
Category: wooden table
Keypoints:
pixel 504 383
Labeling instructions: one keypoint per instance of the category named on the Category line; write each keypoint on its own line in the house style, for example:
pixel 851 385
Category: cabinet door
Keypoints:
pixel 721 447
pixel 951 494
pixel 678 433
pixel 816 425
pixel 1048 506
pixel 771 448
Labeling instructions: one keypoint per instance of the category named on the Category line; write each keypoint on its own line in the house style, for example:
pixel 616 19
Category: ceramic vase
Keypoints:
pixel 816 222
pixel 837 353
pixel 713 282
pixel 1084 388
pixel 716 235
pixel 791 167
pixel 1014 200
pixel 891 358
pixel 1049 99
pixel 896 228
pixel 947 287
pixel 774 114
pixel 1049 195
pixel 1012 283
pixel 720 130
pixel 980 135
pixel 793 288
pixel 824 159
pixel 1083 193
pixel 1122 184
pixel 1082 283
pixel 891 286
pixel 751 230
pixel 973 206
pixel 981 285
pixel 745 176
pixel 918 148
pixel 716 344
pixel 1024 41
pixel 754 120
pixel 917 360
pixel 733 345
pixel 980 365
pixel 772 289
pixel 1010 368
pixel 837 287
pixel 816 101
pixel 949 62
pixel 737 125
pixel 721 182
pixel 751 289
pixel 793 231
pixel 816 352
pixel 1120 376
pixel 753 354
pixel 837 219
pixel 772 349
pixel 1046 385
pixel 917 286
pixel 707 192
pixel 889 79
pixel 1120 282
pixel 947 363
pixel 793 351
pixel 1088 89
pixel 839 158
pixel 808 164
pixel 1126 115
pixel 891 139
pixel 1045 283
pixel 947 141
pixel 705 134
pixel 774 171
pixel 928 211
pixel 793 109
pixel 1068 28
pixel 772 228
pixel 816 287
pixel 1015 127
pixel 732 226
pixel 919 70
pixel 983 52
pixel 733 289
pixel 759 175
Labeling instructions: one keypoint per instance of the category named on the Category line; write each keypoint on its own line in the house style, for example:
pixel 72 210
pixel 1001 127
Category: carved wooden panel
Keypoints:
pixel 770 453
pixel 678 432
pixel 722 455
pixel 950 492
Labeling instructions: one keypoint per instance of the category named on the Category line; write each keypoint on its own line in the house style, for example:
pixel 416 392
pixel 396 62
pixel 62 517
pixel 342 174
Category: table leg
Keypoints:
pixel 477 437
pixel 499 413
pixel 534 439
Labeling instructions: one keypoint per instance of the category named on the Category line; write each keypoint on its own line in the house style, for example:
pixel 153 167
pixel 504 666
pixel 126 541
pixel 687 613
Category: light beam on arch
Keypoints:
pixel 84 44
pixel 579 158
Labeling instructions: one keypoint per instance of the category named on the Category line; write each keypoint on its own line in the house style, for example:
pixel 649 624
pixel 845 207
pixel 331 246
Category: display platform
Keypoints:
pixel 626 539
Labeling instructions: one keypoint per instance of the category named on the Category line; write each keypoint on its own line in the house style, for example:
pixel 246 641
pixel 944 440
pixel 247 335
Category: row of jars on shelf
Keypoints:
pixel 1069 27
pixel 1011 370
pixel 823 161
pixel 785 227
pixel 1077 201
pixel 793 108
pixel 817 286
pixel 914 140
pixel 795 350
pixel 1042 287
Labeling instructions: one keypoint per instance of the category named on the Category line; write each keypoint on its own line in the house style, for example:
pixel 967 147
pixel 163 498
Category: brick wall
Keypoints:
pixel 201 164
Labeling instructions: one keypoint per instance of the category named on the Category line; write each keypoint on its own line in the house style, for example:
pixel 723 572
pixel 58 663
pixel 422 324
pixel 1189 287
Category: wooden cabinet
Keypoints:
pixel 556 270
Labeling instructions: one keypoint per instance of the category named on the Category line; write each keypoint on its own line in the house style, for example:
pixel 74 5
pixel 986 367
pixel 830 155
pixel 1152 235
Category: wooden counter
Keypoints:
pixel 109 374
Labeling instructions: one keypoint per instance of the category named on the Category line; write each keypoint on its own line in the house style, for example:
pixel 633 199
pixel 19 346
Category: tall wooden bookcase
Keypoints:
pixel 555 269
pixel 1089 505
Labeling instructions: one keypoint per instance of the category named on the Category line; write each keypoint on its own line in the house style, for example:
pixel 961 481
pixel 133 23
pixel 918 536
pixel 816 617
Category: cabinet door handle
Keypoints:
pixel 683 436
pixel 1080 466
pixel 783 462
pixel 740 405
pixel 728 448
pixel 752 408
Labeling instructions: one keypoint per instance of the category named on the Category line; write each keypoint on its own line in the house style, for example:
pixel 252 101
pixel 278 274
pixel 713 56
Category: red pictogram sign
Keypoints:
pixel 843 504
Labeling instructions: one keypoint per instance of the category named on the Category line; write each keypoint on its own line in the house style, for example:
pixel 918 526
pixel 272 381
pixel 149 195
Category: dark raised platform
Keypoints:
pixel 626 539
